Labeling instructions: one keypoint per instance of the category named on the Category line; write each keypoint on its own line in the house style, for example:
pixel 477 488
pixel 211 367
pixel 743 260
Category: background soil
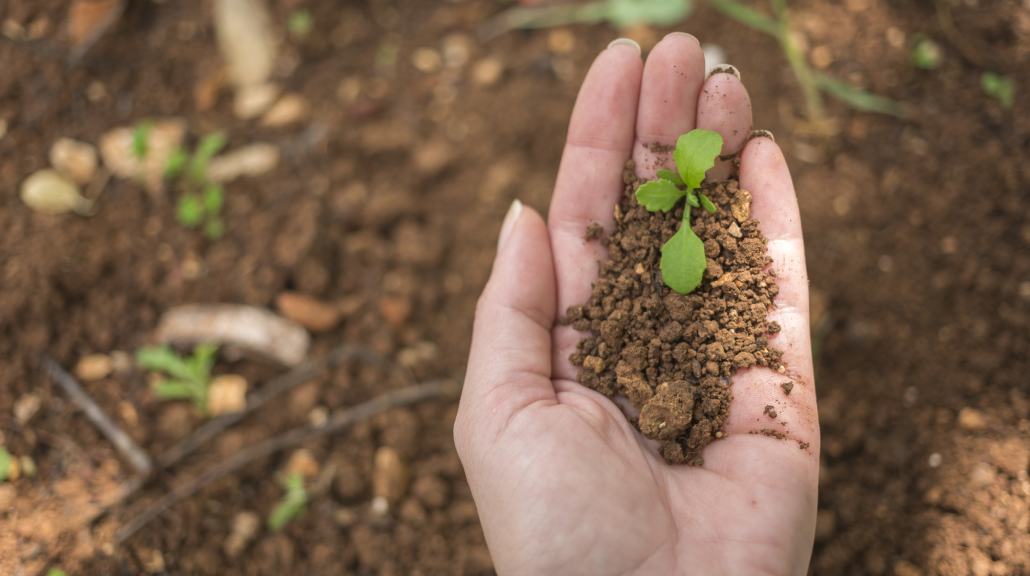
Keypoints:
pixel 391 195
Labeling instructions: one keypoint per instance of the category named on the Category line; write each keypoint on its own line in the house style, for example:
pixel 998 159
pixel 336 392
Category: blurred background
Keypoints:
pixel 339 170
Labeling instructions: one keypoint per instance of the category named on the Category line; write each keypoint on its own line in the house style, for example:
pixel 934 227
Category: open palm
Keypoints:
pixel 563 483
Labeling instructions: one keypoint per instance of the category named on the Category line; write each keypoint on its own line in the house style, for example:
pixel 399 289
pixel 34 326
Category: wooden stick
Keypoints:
pixel 136 457
pixel 438 389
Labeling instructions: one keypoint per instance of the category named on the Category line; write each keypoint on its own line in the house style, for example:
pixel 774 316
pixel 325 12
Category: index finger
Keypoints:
pixel 589 182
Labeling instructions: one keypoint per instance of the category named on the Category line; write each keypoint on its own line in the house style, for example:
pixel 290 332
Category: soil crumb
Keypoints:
pixel 672 355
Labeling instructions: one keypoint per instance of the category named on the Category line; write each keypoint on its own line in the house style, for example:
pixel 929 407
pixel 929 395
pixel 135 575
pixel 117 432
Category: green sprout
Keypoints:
pixel 185 378
pixel 56 572
pixel 813 83
pixel 999 87
pixel 141 139
pixel 683 260
pixel 619 13
pixel 926 54
pixel 201 201
pixel 6 461
pixel 299 23
pixel 292 504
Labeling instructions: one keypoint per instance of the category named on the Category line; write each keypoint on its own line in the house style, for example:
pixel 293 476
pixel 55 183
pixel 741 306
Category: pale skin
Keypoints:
pixel 563 482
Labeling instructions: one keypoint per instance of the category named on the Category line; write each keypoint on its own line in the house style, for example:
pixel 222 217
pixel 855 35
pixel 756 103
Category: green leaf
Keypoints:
pixel 670 175
pixel 624 13
pixel 175 164
pixel 708 205
pixel 299 23
pixel 56 572
pixel 175 390
pixel 189 211
pixel 658 195
pixel 683 259
pixel 214 228
pixel 695 154
pixel 141 139
pixel 926 54
pixel 291 505
pixel 858 98
pixel 163 359
pixel 747 16
pixel 692 200
pixel 214 197
pixel 202 360
pixel 207 148
pixel 5 464
pixel 999 87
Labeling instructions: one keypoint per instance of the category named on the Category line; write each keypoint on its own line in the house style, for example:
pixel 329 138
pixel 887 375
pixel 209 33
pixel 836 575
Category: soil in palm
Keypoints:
pixel 672 355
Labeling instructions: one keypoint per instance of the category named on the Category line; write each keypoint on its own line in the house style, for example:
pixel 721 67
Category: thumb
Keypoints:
pixel 509 364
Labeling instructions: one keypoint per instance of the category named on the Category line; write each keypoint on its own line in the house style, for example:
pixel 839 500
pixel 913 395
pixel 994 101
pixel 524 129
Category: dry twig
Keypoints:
pixel 440 389
pixel 136 457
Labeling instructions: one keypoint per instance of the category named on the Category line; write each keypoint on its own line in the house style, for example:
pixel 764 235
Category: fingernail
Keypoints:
pixel 678 34
pixel 625 42
pixel 725 69
pixel 509 222
pixel 761 134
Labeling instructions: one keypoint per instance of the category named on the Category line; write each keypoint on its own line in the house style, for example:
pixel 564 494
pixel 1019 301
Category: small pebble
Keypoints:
pixel 248 161
pixel 302 462
pixel 971 419
pixel 934 460
pixel 487 71
pixel 244 527
pixel 77 160
pixel 311 313
pixel 252 101
pixel 227 394
pixel 426 60
pixel 26 407
pixel 50 192
pixel 290 109
pixel 93 367
pixel 389 479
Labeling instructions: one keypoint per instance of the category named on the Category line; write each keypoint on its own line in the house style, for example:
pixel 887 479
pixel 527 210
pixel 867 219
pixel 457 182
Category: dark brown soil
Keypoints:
pixel 673 355
pixel 916 229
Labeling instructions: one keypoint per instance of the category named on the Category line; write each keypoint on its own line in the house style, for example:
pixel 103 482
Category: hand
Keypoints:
pixel 563 482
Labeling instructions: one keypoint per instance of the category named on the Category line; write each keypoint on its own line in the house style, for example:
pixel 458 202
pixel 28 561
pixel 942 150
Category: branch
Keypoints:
pixel 439 389
pixel 128 449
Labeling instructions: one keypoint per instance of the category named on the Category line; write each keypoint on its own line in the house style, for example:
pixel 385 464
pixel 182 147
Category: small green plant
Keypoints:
pixel 201 200
pixel 619 13
pixel 6 461
pixel 926 54
pixel 999 87
pixel 141 139
pixel 56 572
pixel 683 260
pixel 185 378
pixel 299 23
pixel 292 504
pixel 812 83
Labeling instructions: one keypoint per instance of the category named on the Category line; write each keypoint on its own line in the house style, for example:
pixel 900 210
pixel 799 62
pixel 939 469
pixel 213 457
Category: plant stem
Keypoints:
pixel 814 109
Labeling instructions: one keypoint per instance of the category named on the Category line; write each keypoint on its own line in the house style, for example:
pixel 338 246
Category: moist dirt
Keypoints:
pixel 671 355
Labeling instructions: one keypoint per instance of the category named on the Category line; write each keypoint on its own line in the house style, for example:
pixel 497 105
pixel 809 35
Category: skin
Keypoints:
pixel 563 483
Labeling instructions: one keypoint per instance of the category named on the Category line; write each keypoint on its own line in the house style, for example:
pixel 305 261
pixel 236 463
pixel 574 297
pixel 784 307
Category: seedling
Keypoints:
pixel 619 13
pixel 201 201
pixel 6 462
pixel 299 23
pixel 812 83
pixel 292 504
pixel 141 139
pixel 926 54
pixel 999 87
pixel 185 378
pixel 683 260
